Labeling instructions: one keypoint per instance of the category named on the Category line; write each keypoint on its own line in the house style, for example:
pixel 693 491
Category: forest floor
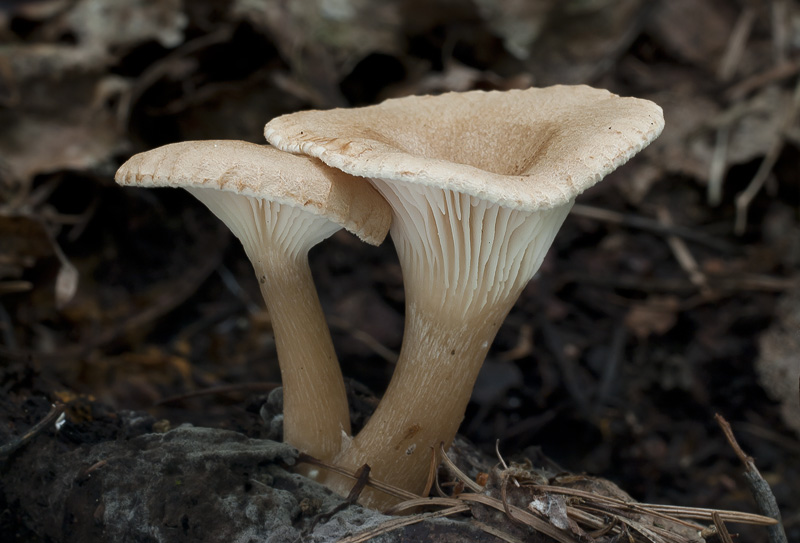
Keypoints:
pixel 671 294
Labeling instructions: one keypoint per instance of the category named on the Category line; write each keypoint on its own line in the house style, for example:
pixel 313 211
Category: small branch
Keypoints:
pixel 460 475
pixel 433 471
pixel 674 513
pixel 7 450
pixel 362 478
pixel 736 44
pixel 499 534
pixel 219 390
pixel 650 225
pixel 610 376
pixel 724 285
pixel 781 21
pixel 722 530
pixel 719 163
pixel 684 256
pixel 377 485
pixel 745 197
pixel 369 340
pixel 762 493
pixel 760 80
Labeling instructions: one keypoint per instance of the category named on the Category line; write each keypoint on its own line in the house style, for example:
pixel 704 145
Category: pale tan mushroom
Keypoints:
pixel 280 205
pixel 480 183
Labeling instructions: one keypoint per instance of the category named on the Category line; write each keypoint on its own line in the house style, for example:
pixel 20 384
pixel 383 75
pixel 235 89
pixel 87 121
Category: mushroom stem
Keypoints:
pixel 279 206
pixel 277 239
pixel 316 415
pixel 465 262
pixel 425 401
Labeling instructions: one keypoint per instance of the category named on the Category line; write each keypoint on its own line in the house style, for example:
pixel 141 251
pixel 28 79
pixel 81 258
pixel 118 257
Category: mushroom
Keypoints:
pixel 280 205
pixel 479 183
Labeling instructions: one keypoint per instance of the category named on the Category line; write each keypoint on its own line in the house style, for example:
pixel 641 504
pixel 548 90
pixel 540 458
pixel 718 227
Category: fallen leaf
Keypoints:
pixel 654 316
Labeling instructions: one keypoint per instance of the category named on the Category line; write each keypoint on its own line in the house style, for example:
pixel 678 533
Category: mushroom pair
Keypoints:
pixel 478 183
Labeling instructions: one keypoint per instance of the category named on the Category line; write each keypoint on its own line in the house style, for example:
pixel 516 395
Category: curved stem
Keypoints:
pixel 465 262
pixel 277 239
pixel 425 401
pixel 316 414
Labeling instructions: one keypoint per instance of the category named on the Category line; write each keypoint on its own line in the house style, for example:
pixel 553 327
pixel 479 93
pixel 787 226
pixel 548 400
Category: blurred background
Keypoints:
pixel 671 293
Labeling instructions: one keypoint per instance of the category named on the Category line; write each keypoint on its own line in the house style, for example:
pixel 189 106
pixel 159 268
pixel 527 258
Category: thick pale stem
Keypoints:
pixel 316 414
pixel 277 239
pixel 426 400
pixel 464 261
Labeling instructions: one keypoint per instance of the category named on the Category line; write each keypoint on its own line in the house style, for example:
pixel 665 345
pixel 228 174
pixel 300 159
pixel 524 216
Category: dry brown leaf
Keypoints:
pixel 654 316
pixel 695 31
pixel 41 134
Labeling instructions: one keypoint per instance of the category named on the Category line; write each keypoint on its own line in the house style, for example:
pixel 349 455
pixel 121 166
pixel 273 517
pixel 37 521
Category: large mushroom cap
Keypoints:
pixel 261 171
pixel 527 149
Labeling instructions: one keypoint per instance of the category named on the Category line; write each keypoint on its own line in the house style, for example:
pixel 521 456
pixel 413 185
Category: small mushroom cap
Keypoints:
pixel 261 171
pixel 523 149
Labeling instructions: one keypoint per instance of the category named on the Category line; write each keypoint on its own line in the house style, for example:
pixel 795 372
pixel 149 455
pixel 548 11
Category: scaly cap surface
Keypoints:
pixel 261 171
pixel 527 149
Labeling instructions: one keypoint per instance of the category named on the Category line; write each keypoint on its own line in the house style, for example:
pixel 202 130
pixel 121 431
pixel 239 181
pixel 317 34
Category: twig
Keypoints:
pixel 736 44
pixel 504 495
pixel 8 449
pixel 567 366
pixel 432 471
pixel 373 483
pixel 669 512
pixel 521 515
pixel 650 225
pixel 230 282
pixel 723 284
pixel 67 276
pixel 721 529
pixel 499 534
pixel 601 528
pixel 684 256
pixel 523 347
pixel 416 503
pixel 12 287
pixel 164 67
pixel 653 534
pixel 362 477
pixel 762 493
pixel 719 162
pixel 533 423
pixel 606 515
pixel 460 475
pixel 222 389
pixel 745 197
pixel 781 19
pixel 613 362
pixel 767 434
pixel 771 75
pixel 367 339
